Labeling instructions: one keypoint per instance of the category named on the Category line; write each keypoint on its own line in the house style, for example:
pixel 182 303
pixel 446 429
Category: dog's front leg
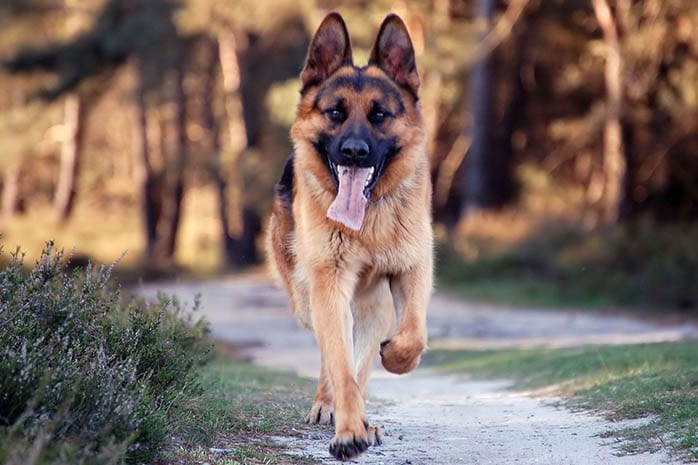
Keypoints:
pixel 330 291
pixel 411 291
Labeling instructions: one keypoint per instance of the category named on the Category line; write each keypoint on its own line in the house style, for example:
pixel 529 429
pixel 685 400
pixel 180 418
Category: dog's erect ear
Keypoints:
pixel 329 50
pixel 394 54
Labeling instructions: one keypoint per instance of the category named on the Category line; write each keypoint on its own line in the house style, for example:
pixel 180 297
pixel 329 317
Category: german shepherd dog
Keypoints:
pixel 350 234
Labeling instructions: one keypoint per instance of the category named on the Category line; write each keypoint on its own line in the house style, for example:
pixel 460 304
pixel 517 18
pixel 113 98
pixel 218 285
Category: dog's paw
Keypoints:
pixel 375 435
pixel 347 444
pixel 401 353
pixel 321 413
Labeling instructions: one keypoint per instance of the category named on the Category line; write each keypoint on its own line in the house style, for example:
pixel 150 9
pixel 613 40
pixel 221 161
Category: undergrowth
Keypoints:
pixel 632 265
pixel 88 376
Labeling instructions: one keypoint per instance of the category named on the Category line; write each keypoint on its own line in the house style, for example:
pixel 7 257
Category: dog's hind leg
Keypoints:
pixel 374 319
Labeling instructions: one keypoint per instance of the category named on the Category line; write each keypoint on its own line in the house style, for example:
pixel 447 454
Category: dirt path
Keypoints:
pixel 431 419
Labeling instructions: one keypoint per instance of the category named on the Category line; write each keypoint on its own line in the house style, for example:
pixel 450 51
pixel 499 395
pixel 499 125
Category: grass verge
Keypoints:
pixel 654 381
pixel 89 376
pixel 238 409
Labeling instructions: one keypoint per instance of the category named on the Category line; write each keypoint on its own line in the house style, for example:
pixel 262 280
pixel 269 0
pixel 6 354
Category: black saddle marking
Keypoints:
pixel 284 189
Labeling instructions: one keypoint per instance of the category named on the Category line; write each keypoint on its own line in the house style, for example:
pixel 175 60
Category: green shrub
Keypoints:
pixel 87 376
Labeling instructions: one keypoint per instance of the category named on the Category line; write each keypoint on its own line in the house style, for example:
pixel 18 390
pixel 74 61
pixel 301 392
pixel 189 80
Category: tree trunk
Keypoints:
pixel 211 124
pixel 614 157
pixel 240 225
pixel 64 197
pixel 442 13
pixel 10 192
pixel 501 185
pixel 230 68
pixel 430 102
pixel 475 174
pixel 175 192
pixel 142 169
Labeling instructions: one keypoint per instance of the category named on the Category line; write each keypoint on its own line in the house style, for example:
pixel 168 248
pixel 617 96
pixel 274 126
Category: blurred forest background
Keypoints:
pixel 563 136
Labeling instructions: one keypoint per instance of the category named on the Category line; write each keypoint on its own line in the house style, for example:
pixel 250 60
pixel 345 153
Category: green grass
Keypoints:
pixel 240 406
pixel 657 381
pixel 524 291
pixel 506 280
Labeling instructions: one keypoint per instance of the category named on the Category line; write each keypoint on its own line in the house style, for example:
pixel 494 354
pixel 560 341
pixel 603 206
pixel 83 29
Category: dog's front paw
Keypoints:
pixel 347 444
pixel 321 413
pixel 401 353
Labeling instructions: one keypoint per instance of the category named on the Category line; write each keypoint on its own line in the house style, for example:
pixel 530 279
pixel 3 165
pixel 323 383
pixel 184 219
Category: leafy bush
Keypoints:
pixel 87 376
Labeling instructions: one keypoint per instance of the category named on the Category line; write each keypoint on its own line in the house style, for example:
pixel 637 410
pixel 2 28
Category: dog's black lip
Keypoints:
pixel 335 174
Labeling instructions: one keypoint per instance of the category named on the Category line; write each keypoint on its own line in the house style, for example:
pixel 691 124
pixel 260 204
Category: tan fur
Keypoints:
pixel 357 289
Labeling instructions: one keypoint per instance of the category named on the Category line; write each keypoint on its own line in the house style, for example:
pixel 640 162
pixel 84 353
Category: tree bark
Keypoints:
pixel 211 123
pixel 175 191
pixel 501 183
pixel 64 197
pixel 431 110
pixel 475 174
pixel 442 12
pixel 142 169
pixel 240 225
pixel 230 68
pixel 614 157
pixel 10 192
pixel 213 128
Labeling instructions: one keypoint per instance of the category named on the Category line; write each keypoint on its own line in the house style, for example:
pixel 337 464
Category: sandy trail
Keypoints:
pixel 433 419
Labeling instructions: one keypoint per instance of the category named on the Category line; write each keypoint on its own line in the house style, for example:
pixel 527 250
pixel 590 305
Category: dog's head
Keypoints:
pixel 358 132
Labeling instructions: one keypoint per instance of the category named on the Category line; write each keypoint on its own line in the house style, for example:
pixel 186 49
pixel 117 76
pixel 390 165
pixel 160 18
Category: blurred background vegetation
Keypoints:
pixel 563 136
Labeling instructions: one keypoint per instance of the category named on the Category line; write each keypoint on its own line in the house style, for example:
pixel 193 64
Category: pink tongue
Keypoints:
pixel 350 204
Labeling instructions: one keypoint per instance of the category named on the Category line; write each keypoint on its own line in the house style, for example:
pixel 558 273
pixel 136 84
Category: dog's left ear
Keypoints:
pixel 394 54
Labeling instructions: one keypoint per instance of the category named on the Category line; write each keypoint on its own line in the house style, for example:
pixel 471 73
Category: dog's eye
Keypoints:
pixel 377 116
pixel 336 115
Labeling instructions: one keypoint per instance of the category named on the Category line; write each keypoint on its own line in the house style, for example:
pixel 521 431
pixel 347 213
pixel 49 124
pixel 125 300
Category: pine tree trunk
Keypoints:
pixel 64 197
pixel 240 225
pixel 10 192
pixel 614 157
pixel 501 184
pixel 211 124
pixel 175 194
pixel 430 102
pixel 142 169
pixel 230 68
pixel 475 173
pixel 442 12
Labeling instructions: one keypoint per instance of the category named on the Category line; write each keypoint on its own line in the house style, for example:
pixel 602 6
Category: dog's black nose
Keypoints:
pixel 354 148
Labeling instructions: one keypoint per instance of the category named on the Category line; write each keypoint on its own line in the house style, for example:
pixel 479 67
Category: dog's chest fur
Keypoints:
pixel 391 241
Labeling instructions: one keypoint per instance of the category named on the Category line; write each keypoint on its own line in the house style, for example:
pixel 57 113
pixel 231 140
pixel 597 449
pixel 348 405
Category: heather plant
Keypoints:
pixel 86 374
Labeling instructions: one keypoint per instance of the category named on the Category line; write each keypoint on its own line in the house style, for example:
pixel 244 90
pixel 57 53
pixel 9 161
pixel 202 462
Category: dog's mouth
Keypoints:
pixel 370 182
pixel 354 187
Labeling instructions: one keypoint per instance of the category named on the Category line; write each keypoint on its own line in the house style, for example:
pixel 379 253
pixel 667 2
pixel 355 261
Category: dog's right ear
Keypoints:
pixel 329 50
